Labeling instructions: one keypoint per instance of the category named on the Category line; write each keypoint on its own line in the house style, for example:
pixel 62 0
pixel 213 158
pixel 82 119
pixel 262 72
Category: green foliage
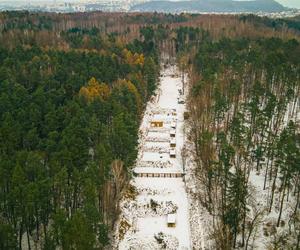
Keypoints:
pixel 8 238
pixel 77 233
pixel 57 146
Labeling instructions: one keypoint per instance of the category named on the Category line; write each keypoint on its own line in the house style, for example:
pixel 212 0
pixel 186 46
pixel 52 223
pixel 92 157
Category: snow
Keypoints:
pixel 147 213
pixel 158 147
pixel 268 221
pixel 173 125
pixel 171 218
pixel 153 156
pixel 157 170
pixel 200 219
pixel 156 197
pixel 155 164
pixel 173 132
pixel 172 151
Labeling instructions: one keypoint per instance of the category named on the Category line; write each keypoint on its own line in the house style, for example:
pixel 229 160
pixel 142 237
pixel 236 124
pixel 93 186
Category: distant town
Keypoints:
pixel 113 6
pixel 83 6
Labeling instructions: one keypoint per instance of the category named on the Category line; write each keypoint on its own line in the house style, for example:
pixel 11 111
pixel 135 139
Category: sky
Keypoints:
pixel 290 3
pixel 286 3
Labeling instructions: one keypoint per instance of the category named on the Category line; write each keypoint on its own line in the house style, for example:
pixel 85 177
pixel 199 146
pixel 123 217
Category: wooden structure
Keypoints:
pixel 171 220
pixel 157 124
pixel 172 153
pixel 173 143
pixel 173 133
pixel 160 175
pixel 173 125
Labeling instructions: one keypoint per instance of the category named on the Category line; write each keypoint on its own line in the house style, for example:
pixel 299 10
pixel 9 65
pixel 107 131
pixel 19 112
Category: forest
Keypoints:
pixel 244 129
pixel 245 118
pixel 73 89
pixel 69 121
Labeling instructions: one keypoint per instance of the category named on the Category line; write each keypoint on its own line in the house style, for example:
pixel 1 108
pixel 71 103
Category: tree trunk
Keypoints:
pixel 244 225
pixel 297 202
pixel 266 174
pixel 298 242
pixel 273 190
pixel 248 238
pixel 28 239
pixel 281 203
pixel 20 235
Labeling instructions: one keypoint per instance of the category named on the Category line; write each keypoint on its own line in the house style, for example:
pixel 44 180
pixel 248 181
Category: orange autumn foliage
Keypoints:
pixel 133 59
pixel 94 89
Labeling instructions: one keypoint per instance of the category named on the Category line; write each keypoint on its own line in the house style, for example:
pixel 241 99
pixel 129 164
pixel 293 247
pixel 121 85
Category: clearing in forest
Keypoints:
pixel 157 217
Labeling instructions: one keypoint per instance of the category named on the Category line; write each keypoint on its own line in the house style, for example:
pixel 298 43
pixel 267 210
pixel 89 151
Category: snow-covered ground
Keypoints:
pixel 143 220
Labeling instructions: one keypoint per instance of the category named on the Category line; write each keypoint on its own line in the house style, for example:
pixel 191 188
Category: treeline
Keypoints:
pixel 50 29
pixel 277 24
pixel 68 134
pixel 244 106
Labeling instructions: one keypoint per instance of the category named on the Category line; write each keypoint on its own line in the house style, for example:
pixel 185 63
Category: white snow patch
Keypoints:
pixel 158 197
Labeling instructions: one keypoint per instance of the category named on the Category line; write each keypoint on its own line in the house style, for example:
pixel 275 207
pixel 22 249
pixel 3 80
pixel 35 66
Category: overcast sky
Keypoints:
pixel 290 3
pixel 287 3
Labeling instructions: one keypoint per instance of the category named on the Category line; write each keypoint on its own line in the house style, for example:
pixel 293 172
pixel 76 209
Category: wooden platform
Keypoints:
pixel 160 175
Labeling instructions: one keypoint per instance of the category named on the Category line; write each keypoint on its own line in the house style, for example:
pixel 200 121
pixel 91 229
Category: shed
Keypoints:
pixel 171 220
pixel 172 153
pixel 173 143
pixel 157 124
pixel 173 125
pixel 173 133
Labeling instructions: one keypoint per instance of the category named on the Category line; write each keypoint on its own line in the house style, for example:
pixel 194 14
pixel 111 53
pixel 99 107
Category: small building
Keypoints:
pixel 173 133
pixel 173 125
pixel 171 220
pixel 157 124
pixel 173 143
pixel 172 153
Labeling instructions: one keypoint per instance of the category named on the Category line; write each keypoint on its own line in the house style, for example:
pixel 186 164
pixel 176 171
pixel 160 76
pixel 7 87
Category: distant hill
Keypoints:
pixel 210 6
